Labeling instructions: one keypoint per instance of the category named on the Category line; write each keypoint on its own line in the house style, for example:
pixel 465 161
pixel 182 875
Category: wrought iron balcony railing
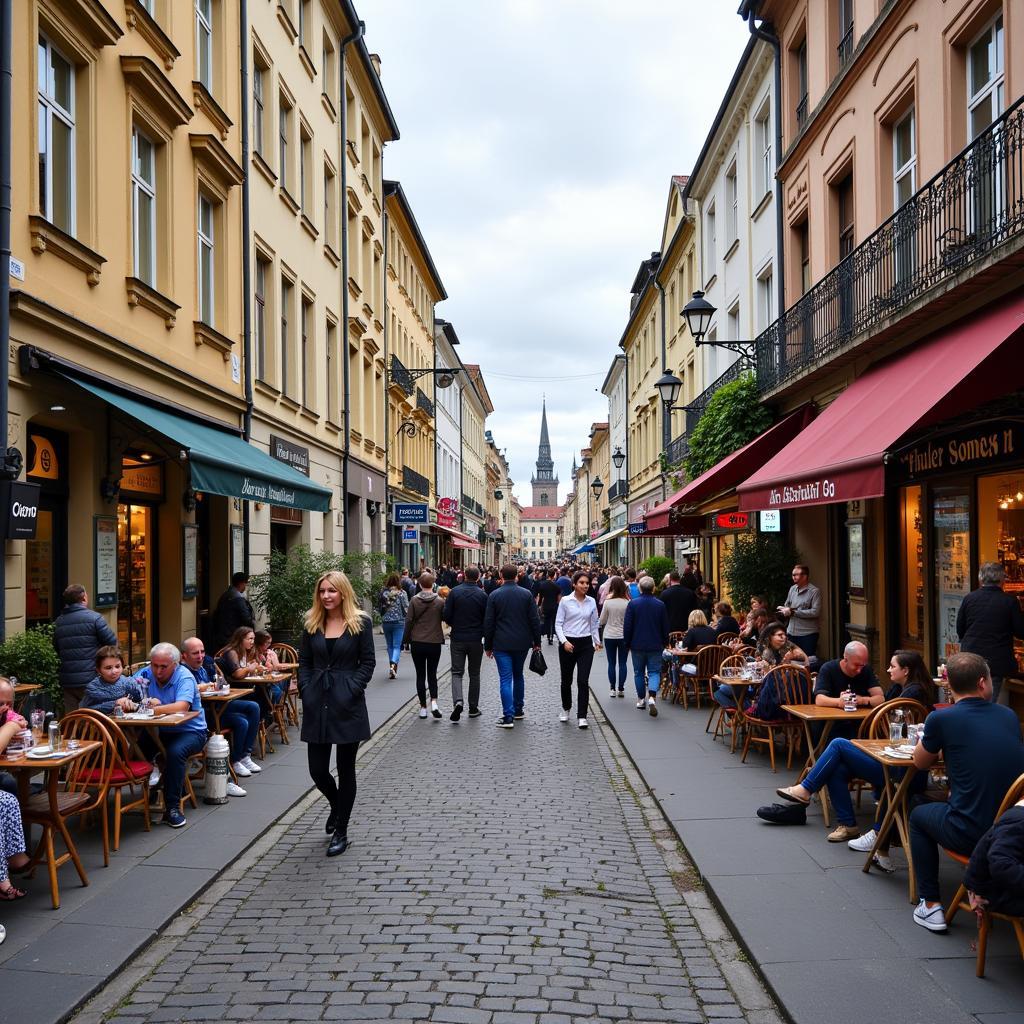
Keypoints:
pixel 401 375
pixel 618 490
pixel 424 403
pixel 974 205
pixel 845 48
pixel 678 449
pixel 415 482
pixel 696 408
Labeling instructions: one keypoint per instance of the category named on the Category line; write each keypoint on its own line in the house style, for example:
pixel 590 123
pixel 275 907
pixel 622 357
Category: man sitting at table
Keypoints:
pixel 981 745
pixel 849 674
pixel 242 717
pixel 173 690
pixel 11 723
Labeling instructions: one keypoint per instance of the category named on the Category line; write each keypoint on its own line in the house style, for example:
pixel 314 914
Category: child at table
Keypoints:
pixel 995 874
pixel 111 688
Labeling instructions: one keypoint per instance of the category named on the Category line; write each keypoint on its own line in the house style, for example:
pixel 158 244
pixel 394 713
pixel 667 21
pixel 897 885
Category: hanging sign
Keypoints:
pixel 21 504
pixel 730 521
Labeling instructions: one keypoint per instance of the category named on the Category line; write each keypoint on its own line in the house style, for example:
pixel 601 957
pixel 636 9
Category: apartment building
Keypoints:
pixel 476 407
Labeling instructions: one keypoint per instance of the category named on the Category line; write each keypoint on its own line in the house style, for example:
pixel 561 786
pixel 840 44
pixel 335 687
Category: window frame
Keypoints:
pixel 732 204
pixel 204 24
pixel 140 185
pixel 285 110
pixel 259 124
pixel 260 308
pixel 287 297
pixel 908 167
pixel 995 85
pixel 764 147
pixel 49 107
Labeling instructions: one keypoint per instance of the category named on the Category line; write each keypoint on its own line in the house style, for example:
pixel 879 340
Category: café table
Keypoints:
pixel 130 725
pixel 218 700
pixel 22 691
pixel 740 685
pixel 24 768
pixel 291 691
pixel 264 683
pixel 810 715
pixel 896 799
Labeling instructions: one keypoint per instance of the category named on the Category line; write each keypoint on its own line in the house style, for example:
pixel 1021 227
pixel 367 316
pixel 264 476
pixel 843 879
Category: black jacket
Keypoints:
pixel 511 622
pixel 464 611
pixel 333 687
pixel 78 634
pixel 987 622
pixel 727 624
pixel 233 610
pixel 996 869
pixel 679 602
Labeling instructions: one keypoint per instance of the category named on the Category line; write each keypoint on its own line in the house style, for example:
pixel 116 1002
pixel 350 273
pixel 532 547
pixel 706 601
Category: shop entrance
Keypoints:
pixel 285 527
pixel 136 543
pixel 46 555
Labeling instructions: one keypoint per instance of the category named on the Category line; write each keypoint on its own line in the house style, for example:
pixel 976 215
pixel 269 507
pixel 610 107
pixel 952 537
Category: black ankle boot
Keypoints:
pixel 339 844
pixel 332 822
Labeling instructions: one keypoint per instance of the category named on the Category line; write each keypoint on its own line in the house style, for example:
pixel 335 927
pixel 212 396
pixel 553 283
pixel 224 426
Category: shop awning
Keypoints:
pixel 465 544
pixel 840 456
pixel 221 463
pixel 730 471
pixel 610 535
pixel 588 546
pixel 459 539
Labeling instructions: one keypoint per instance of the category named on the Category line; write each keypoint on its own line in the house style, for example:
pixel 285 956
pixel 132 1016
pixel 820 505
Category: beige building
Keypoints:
pixel 476 407
pixel 540 532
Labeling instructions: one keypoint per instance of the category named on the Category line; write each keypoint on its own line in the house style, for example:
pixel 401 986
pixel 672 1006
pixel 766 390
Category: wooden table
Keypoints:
pixel 896 801
pixel 218 700
pixel 22 692
pixel 153 726
pixel 739 686
pixel 24 768
pixel 810 714
pixel 264 683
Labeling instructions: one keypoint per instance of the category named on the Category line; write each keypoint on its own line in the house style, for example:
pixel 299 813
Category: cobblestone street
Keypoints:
pixel 495 878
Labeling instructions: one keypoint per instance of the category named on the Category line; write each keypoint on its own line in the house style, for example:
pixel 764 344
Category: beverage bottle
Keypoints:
pixel 53 735
pixel 896 728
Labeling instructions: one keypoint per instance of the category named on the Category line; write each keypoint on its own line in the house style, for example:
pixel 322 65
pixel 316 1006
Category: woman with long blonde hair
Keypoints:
pixel 336 662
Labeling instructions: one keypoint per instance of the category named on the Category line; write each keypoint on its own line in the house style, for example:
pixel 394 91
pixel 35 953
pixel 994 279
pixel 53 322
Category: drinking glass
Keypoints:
pixel 36 720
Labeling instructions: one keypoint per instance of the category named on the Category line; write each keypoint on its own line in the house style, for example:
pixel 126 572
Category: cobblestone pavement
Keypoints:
pixel 495 877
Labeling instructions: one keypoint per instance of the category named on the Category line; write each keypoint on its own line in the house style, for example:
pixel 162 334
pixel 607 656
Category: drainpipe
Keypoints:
pixel 6 31
pixel 666 416
pixel 387 394
pixel 243 31
pixel 767 34
pixel 347 381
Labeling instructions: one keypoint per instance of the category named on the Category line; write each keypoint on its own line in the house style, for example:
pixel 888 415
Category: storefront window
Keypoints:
pixel 135 540
pixel 951 519
pixel 1001 525
pixel 39 582
pixel 912 562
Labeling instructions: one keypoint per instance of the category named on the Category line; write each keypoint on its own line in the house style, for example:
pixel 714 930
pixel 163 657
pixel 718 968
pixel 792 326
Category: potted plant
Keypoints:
pixel 657 566
pixel 32 657
pixel 759 563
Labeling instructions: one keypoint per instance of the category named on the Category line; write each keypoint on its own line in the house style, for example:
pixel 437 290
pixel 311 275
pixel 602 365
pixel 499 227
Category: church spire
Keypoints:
pixel 545 483
pixel 544 442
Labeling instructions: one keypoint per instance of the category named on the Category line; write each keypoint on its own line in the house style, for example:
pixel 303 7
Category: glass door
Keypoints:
pixel 40 602
pixel 951 520
pixel 135 543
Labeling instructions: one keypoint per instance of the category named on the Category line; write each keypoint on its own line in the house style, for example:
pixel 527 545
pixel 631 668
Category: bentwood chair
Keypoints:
pixel 725 715
pixel 709 661
pixel 288 655
pixel 793 686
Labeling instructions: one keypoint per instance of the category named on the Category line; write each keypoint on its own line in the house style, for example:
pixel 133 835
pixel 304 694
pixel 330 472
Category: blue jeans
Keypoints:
pixel 724 695
pixel 393 633
pixel 808 643
pixel 179 746
pixel 930 829
pixel 242 717
pixel 513 686
pixel 649 662
pixel 617 652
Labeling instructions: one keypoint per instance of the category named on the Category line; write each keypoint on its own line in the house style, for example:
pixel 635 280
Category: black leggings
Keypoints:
pixel 341 794
pixel 425 657
pixel 581 659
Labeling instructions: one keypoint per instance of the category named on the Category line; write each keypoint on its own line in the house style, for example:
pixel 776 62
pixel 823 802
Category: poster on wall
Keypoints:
pixel 190 560
pixel 855 546
pixel 237 549
pixel 951 518
pixel 104 588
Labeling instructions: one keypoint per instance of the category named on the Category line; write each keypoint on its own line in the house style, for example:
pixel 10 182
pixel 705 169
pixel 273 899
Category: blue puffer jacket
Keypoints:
pixel 78 634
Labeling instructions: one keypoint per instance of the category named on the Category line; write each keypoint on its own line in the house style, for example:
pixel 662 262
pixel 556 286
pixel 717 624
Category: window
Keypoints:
pixel 284 120
pixel 985 78
pixel 844 201
pixel 904 159
pixel 845 47
pixel 710 247
pixel 305 171
pixel 330 207
pixel 801 84
pixel 734 323
pixel 204 43
pixel 763 152
pixel 306 361
pixel 732 206
pixel 259 86
pixel 328 72
pixel 205 260
pixel 262 270
pixel 287 289
pixel 305 23
pixel 56 84
pixel 144 208
pixel 765 301
pixel 804 249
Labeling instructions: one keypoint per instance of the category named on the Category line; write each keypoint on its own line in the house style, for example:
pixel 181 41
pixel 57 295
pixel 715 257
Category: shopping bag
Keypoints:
pixel 537 663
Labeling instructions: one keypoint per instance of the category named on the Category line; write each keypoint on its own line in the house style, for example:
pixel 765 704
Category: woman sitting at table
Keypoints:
pixel 239 660
pixel 725 621
pixel 12 845
pixel 698 632
pixel 111 688
pixel 754 622
pixel 264 655
pixel 773 649
pixel 842 761
pixel 11 723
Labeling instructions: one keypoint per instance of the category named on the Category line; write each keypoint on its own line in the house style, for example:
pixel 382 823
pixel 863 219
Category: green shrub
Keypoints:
pixel 759 563
pixel 733 417
pixel 32 657
pixel 656 566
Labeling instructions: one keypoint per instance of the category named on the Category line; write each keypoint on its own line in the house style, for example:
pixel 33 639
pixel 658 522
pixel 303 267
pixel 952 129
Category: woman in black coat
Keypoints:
pixel 336 662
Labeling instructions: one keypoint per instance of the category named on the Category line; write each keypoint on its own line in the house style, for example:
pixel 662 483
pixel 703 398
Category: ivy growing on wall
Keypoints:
pixel 733 417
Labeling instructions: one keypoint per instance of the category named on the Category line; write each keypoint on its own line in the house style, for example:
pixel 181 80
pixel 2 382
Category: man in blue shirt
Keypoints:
pixel 981 745
pixel 173 689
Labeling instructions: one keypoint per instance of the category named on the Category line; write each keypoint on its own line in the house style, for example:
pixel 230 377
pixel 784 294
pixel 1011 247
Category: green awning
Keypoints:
pixel 222 463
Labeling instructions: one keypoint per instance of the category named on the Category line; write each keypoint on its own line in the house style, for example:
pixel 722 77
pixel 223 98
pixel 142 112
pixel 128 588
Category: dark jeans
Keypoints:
pixel 617 653
pixel 510 681
pixel 548 628
pixel 581 658
pixel 473 652
pixel 341 795
pixel 179 747
pixel 807 643
pixel 242 717
pixel 425 657
pixel 930 829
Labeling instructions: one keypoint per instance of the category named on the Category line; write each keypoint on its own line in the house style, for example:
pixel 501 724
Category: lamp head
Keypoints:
pixel 698 312
pixel 669 386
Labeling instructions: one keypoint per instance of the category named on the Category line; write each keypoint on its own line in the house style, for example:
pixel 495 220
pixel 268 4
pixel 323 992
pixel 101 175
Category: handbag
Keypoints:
pixel 537 663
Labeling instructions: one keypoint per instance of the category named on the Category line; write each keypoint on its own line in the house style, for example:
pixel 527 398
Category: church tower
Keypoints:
pixel 545 483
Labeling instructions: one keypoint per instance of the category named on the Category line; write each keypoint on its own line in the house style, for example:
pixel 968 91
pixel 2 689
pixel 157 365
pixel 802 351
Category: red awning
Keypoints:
pixel 465 544
pixel 839 457
pixel 726 474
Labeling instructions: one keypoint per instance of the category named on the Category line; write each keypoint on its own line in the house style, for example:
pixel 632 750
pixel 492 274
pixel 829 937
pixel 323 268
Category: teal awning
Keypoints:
pixel 222 463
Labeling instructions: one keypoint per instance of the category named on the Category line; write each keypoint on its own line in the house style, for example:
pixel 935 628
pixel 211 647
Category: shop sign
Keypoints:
pixel 410 535
pixel 104 585
pixel 190 560
pixel 144 480
pixel 403 512
pixel 771 521
pixel 21 504
pixel 43 461
pixel 237 548
pixel 729 521
pixel 447 512
pixel 959 451
pixel 293 454
pixel 637 529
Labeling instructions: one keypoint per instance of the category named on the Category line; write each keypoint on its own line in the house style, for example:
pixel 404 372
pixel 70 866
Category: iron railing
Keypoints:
pixel 677 450
pixel 845 48
pixel 619 489
pixel 696 408
pixel 401 375
pixel 424 403
pixel 415 482
pixel 969 209
pixel 801 112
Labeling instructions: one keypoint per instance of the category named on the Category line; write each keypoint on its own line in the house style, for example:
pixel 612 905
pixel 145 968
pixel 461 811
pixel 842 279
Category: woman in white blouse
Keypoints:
pixel 577 630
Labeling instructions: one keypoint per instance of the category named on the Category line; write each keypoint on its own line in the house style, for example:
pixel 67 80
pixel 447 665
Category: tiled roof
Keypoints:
pixel 541 512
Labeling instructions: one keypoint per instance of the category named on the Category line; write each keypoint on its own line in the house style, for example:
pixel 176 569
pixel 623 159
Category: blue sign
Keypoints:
pixel 405 512
pixel 410 535
pixel 637 528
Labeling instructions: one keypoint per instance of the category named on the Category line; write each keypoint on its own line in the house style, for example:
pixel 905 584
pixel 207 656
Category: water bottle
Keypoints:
pixel 53 735
pixel 896 729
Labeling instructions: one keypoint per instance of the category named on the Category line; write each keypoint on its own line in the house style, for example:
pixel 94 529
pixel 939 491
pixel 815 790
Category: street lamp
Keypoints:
pixel 668 386
pixel 698 313
pixel 597 487
pixel 618 457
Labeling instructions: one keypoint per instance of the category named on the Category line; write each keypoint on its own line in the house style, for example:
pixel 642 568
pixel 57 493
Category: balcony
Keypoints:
pixel 618 491
pixel 971 211
pixel 801 113
pixel 696 408
pixel 424 403
pixel 415 482
pixel 677 450
pixel 401 376
pixel 845 48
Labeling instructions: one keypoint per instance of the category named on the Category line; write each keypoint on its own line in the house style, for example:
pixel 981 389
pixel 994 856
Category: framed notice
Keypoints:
pixel 237 549
pixel 190 560
pixel 855 549
pixel 104 577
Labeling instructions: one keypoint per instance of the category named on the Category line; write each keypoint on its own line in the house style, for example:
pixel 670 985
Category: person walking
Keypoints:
pixel 78 634
pixel 426 638
pixel 613 618
pixel 464 611
pixel 645 633
pixel 394 604
pixel 511 628
pixel 549 593
pixel 336 663
pixel 576 627
pixel 987 622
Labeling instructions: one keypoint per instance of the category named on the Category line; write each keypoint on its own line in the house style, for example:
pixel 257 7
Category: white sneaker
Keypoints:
pixel 883 862
pixel 582 723
pixel 249 763
pixel 933 919
pixel 240 770
pixel 862 844
pixel 564 716
pixel 613 691
pixel 423 712
pixel 234 790
pixel 641 704
pixel 154 776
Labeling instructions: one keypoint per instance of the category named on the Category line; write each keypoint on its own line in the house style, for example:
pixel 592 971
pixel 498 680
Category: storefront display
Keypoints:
pixel 951 522
pixel 912 603
pixel 1001 526
pixel 135 544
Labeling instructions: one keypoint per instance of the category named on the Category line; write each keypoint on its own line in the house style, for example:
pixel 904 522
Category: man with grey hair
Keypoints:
pixel 645 634
pixel 172 690
pixel 987 622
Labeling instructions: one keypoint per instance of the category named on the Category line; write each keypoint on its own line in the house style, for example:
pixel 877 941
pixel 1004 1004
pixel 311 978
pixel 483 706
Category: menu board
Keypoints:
pixel 104 591
pixel 190 559
pixel 951 518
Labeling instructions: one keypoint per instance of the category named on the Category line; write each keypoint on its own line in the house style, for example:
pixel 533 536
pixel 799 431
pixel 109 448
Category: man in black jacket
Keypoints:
pixel 988 621
pixel 679 601
pixel 464 611
pixel 511 628
pixel 548 595
pixel 79 632
pixel 233 610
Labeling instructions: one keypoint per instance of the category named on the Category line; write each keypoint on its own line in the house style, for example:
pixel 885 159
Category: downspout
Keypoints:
pixel 666 416
pixel 243 31
pixel 347 377
pixel 6 32
pixel 388 538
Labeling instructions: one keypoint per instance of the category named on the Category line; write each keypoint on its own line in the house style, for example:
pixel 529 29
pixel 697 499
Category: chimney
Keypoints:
pixel 375 61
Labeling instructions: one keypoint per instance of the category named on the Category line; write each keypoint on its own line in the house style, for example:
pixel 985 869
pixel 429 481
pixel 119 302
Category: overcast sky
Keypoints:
pixel 538 141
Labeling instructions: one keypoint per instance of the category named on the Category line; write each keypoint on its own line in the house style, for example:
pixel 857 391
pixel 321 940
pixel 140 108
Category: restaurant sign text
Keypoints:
pixel 956 452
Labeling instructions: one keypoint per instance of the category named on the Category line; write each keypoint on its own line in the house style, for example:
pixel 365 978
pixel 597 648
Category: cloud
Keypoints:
pixel 538 141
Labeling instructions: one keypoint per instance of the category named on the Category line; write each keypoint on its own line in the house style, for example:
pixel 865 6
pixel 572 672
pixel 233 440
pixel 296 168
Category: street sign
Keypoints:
pixel 635 529
pixel 405 512
pixel 771 521
pixel 410 535
pixel 730 521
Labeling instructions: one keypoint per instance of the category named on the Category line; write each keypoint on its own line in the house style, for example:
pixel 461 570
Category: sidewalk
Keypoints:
pixel 833 943
pixel 54 959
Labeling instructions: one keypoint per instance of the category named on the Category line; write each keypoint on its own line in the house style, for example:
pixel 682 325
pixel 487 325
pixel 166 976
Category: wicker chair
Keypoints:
pixel 793 684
